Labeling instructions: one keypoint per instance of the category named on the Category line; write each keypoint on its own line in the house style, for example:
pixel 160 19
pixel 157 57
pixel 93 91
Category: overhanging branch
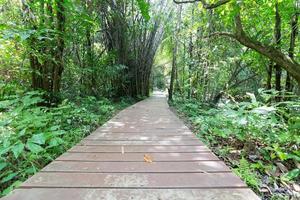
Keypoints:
pixel 270 52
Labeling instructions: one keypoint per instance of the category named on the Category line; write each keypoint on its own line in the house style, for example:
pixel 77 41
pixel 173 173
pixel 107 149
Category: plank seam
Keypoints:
pixel 96 187
pixel 136 172
pixel 134 161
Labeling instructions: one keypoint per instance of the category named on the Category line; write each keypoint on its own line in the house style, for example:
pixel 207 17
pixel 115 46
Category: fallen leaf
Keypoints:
pixel 282 168
pixel 296 187
pixel 265 189
pixel 297 164
pixel 147 158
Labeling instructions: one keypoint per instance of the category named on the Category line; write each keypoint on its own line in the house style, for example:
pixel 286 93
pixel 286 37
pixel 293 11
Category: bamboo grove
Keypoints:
pixel 99 48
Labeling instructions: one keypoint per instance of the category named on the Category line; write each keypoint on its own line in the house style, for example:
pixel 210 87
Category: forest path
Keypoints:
pixel 143 153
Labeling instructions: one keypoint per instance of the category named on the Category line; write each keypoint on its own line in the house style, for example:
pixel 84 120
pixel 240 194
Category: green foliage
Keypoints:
pixel 32 135
pixel 291 175
pixel 257 138
pixel 110 52
pixel 247 173
pixel 144 8
pixel 159 80
pixel 279 197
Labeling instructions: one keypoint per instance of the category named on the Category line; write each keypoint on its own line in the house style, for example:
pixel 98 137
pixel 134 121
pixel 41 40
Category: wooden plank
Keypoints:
pixel 139 149
pixel 137 157
pixel 143 130
pixel 134 180
pixel 132 194
pixel 138 121
pixel 139 142
pixel 123 126
pixel 137 167
pixel 155 120
pixel 142 134
pixel 143 138
pixel 171 122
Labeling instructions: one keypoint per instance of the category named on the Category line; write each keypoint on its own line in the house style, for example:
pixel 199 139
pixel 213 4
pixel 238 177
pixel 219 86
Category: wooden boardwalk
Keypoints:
pixel 111 163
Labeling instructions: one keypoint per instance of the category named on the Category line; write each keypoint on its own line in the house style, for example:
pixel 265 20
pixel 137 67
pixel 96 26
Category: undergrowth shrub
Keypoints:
pixel 260 139
pixel 32 135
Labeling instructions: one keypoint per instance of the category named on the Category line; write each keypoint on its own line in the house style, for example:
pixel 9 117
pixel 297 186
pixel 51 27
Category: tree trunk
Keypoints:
pixel 269 77
pixel 89 76
pixel 277 35
pixel 191 63
pixel 59 67
pixel 173 72
pixel 294 32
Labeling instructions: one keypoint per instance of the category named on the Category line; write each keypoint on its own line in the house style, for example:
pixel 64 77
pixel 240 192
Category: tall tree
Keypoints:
pixel 277 37
pixel 59 66
pixel 293 36
pixel 175 46
pixel 190 53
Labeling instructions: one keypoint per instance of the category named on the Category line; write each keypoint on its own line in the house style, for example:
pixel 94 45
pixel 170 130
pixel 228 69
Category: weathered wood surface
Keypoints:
pixel 109 163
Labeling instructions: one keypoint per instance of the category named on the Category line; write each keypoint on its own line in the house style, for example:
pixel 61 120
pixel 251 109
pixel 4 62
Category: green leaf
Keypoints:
pixel 293 156
pixel 9 177
pixel 291 175
pixel 282 156
pixel 2 165
pixel 29 100
pixel 22 132
pixel 58 132
pixel 31 170
pixel 17 149
pixel 34 147
pixel 54 128
pixel 295 126
pixel 4 150
pixel 55 142
pixel 38 138
pixel 144 8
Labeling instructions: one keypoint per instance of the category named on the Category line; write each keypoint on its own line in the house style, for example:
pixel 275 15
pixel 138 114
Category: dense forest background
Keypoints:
pixel 231 68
